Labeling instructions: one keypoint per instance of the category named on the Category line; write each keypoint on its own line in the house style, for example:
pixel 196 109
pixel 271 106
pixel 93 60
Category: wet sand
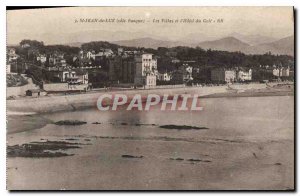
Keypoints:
pixel 224 165
pixel 23 123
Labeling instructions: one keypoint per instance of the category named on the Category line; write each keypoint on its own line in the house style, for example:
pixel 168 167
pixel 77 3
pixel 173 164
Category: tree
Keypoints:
pixel 32 43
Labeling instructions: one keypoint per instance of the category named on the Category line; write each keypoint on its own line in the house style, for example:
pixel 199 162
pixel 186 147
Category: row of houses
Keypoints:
pixel 135 67
pixel 142 69
pixel 281 71
pixel 84 59
pixel 187 73
pixel 93 55
pixel 231 75
pixel 71 76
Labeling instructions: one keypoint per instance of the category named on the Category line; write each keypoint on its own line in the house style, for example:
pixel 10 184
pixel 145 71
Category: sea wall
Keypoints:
pixel 63 87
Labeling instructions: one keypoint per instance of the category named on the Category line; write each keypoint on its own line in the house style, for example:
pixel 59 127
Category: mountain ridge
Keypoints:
pixel 284 46
pixel 148 42
pixel 230 44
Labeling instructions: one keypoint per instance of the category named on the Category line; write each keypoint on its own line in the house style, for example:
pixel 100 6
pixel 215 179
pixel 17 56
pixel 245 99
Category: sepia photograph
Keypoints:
pixel 150 98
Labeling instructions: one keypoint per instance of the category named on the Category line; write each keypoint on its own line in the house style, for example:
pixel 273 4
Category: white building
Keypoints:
pixel 90 55
pixel 150 80
pixel 282 71
pixel 66 74
pixel 223 75
pixel 11 55
pixel 285 72
pixel 74 76
pixel 8 68
pixel 120 51
pixel 108 52
pixel 104 52
pixel 11 51
pixel 146 68
pixel 82 76
pixel 26 45
pixel 244 75
pixel 163 77
pixel 276 72
pixel 187 72
pixel 42 58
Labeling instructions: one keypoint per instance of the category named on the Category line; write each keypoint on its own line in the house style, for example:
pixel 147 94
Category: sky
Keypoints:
pixel 58 26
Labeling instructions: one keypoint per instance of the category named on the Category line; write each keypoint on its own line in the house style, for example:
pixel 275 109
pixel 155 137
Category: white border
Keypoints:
pixel 4 3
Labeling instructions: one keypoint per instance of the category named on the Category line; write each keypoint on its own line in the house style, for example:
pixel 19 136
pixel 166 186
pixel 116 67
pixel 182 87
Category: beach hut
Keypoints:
pixel 35 92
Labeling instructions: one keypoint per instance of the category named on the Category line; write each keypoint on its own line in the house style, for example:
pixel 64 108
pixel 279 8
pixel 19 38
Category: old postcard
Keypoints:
pixel 150 98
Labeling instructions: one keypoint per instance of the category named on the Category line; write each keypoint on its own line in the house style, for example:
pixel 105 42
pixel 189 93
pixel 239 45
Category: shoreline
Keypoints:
pixel 250 94
pixel 27 122
pixel 63 103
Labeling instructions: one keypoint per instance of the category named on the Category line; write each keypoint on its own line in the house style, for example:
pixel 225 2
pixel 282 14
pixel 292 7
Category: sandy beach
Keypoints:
pixel 56 103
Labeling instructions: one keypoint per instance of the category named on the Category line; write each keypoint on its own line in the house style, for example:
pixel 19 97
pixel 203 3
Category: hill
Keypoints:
pixel 253 39
pixel 148 42
pixel 281 46
pixel 230 44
